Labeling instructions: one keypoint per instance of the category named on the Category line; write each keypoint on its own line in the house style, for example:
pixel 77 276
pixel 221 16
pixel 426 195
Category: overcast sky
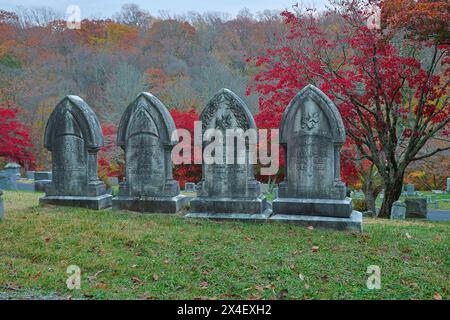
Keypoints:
pixel 106 8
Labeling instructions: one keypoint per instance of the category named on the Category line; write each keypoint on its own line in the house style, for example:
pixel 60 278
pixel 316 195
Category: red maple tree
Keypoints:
pixel 391 83
pixel 15 142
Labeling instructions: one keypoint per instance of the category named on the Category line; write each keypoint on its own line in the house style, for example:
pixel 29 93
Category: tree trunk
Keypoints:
pixel 392 192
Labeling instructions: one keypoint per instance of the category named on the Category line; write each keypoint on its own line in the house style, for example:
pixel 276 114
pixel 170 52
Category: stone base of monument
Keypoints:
pixel 150 204
pixel 257 209
pixel 95 203
pixel 354 222
pixel 313 207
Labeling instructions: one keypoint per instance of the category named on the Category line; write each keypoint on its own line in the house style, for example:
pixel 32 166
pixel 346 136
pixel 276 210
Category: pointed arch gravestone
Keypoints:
pixel 228 191
pixel 145 134
pixel 312 133
pixel 73 135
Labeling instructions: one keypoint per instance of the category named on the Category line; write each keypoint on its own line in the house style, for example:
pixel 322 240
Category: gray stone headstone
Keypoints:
pixel 30 175
pixel 416 208
pixel 410 189
pixel 448 185
pixel 145 134
pixel 436 204
pixel 42 175
pixel 8 181
pixel 25 186
pixel 429 199
pixel 312 133
pixel 114 180
pixel 229 190
pixel 398 211
pixel 73 135
pixel 2 206
pixel 189 187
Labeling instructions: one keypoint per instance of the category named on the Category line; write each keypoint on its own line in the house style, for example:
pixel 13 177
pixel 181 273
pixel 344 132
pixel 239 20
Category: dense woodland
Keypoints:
pixel 390 84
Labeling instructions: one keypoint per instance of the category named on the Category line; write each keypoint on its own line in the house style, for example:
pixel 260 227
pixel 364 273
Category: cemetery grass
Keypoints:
pixel 123 255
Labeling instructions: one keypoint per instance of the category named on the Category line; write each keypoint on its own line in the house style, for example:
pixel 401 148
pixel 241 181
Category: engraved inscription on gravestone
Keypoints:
pixel 73 135
pixel 312 133
pixel 145 134
pixel 229 190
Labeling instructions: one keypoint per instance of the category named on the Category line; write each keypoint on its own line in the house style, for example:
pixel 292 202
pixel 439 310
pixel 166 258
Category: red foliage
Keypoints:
pixel 110 158
pixel 186 172
pixel 15 142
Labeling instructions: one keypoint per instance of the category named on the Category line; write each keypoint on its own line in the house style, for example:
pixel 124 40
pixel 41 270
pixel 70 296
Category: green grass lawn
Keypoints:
pixel 138 256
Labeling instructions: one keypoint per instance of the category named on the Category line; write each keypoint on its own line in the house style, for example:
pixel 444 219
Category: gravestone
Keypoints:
pixel 409 189
pixel 398 211
pixel 42 175
pixel 8 181
pixel 189 187
pixel 312 133
pixel 448 185
pixel 29 175
pixel 229 190
pixel 416 208
pixel 73 135
pixel 145 134
pixel 2 207
pixel 114 181
pixel 264 188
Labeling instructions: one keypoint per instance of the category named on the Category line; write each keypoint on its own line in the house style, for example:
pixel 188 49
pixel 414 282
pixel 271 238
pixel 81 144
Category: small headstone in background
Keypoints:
pixel 436 204
pixel 448 185
pixel 2 208
pixel 429 199
pixel 381 195
pixel 416 208
pixel 189 187
pixel 29 175
pixel 398 211
pixel 437 191
pixel 114 181
pixel 275 193
pixel 409 189
pixel 42 175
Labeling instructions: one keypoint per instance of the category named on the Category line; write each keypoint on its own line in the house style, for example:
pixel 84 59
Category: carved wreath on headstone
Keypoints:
pixel 225 121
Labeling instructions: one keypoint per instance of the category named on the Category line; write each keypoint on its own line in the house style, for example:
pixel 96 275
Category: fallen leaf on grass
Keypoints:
pixel 155 277
pixel 315 248
pixel 301 277
pixel 311 228
pixel 203 285
pixel 136 280
pixel 437 296
pixel 408 236
pixel 306 286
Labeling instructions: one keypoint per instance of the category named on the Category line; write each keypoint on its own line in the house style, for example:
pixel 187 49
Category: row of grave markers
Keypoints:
pixel 311 132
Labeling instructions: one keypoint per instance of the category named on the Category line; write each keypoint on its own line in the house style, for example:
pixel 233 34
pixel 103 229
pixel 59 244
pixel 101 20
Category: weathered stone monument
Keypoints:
pixel 73 135
pixel 398 211
pixel 416 208
pixel 13 168
pixel 145 134
pixel 312 133
pixel 228 190
pixel 410 190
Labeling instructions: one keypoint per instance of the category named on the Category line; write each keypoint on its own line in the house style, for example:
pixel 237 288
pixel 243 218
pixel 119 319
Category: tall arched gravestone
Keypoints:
pixel 73 135
pixel 145 134
pixel 229 191
pixel 312 134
